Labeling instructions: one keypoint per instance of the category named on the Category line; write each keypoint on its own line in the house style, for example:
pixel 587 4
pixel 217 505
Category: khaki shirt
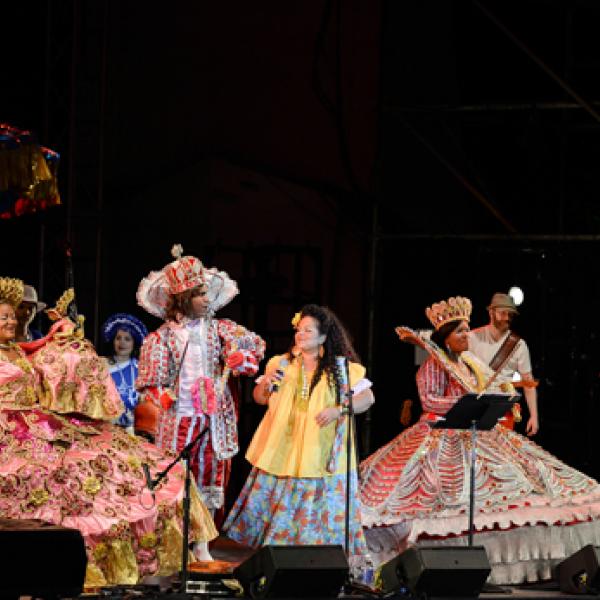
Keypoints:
pixel 484 347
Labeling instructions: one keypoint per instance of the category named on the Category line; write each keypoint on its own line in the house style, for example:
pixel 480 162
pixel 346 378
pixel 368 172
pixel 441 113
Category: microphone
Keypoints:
pixel 279 374
pixel 149 482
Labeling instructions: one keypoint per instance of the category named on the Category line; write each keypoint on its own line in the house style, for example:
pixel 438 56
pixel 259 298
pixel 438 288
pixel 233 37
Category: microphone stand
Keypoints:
pixel 350 453
pixel 186 453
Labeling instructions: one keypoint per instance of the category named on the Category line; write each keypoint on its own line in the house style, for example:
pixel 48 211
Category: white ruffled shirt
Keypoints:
pixel 193 366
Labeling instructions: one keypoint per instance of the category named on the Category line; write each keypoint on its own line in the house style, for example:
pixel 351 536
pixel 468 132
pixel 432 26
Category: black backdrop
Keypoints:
pixel 340 151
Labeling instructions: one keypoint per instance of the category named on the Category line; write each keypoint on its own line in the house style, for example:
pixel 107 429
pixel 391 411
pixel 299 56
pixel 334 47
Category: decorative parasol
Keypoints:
pixel 28 174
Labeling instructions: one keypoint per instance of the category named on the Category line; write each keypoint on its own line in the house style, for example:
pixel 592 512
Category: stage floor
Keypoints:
pixel 228 554
pixel 228 551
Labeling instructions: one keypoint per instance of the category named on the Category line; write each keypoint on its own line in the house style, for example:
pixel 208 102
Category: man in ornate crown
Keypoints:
pixel 184 367
pixel 506 353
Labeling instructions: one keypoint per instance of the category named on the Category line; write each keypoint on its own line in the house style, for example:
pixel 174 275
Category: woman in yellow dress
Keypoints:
pixel 295 493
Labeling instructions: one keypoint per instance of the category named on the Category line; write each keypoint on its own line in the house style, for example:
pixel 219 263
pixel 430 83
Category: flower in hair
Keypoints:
pixel 296 319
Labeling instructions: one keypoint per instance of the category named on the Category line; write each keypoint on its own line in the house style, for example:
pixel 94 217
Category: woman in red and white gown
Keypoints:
pixel 531 509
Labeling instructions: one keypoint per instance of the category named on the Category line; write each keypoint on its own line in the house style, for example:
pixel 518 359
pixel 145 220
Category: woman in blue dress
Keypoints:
pixel 125 333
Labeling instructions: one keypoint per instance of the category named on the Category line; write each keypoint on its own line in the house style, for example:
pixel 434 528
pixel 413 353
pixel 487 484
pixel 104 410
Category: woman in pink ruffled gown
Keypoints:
pixel 63 462
pixel 532 510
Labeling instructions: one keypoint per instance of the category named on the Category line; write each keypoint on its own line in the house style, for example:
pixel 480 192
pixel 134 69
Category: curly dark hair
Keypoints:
pixel 337 343
pixel 180 305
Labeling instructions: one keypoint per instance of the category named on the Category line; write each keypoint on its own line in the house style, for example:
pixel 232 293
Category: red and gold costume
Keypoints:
pixel 184 370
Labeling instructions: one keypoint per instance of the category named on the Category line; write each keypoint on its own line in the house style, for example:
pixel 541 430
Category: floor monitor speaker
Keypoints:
pixel 438 571
pixel 40 560
pixel 293 572
pixel 580 572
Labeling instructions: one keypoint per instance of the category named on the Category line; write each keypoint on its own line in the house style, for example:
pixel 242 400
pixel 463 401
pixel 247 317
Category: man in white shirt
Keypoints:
pixel 496 345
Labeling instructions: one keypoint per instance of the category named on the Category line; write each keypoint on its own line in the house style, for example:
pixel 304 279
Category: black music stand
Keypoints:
pixel 476 412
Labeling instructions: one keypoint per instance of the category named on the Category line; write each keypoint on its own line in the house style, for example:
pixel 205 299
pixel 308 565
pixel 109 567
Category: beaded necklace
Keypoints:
pixel 302 395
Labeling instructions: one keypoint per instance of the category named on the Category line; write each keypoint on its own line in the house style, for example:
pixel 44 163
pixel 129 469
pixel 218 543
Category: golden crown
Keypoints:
pixel 11 291
pixel 457 308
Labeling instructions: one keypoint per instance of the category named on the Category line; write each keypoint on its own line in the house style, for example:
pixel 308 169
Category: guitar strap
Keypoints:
pixel 505 351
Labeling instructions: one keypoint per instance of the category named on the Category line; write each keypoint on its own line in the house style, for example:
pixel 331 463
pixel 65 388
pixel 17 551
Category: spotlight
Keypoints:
pixel 516 293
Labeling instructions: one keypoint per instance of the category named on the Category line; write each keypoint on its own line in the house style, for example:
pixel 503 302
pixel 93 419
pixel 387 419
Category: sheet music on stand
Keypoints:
pixel 485 409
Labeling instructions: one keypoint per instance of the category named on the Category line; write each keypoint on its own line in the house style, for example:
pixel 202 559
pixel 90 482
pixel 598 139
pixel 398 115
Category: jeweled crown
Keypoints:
pixel 185 273
pixel 457 308
pixel 11 290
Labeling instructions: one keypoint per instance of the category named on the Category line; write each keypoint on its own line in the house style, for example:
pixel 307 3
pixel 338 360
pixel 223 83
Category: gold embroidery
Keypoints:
pixel 100 551
pixel 38 496
pixel 148 540
pixel 92 485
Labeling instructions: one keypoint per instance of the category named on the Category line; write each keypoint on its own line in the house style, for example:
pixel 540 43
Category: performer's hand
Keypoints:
pixel 532 426
pixel 327 416
pixel 267 383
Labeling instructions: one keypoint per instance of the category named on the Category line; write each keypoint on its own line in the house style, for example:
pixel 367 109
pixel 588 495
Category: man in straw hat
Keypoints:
pixel 26 312
pixel 185 365
pixel 506 352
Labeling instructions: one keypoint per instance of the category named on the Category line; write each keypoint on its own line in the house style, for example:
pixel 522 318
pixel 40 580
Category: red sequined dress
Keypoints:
pixel 531 510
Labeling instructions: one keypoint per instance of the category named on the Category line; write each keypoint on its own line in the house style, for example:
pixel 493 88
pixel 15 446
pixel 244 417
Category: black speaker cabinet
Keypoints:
pixel 293 572
pixel 580 572
pixel 438 571
pixel 41 560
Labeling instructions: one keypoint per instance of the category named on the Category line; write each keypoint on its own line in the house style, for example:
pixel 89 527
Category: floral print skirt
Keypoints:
pixel 295 511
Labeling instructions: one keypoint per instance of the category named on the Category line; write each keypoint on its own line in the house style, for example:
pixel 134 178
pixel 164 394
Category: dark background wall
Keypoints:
pixel 373 156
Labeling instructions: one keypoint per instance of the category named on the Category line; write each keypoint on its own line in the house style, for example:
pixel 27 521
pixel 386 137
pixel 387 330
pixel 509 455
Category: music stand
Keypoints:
pixel 476 412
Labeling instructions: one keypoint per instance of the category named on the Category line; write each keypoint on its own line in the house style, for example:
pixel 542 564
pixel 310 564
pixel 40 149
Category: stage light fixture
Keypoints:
pixel 516 293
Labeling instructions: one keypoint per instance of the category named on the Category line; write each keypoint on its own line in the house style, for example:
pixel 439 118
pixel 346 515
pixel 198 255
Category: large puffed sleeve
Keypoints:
pixel 242 349
pixel 152 364
pixel 432 383
pixel 156 370
pixel 357 373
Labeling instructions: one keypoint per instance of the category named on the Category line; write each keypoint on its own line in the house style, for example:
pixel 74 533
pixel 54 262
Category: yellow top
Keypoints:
pixel 288 441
